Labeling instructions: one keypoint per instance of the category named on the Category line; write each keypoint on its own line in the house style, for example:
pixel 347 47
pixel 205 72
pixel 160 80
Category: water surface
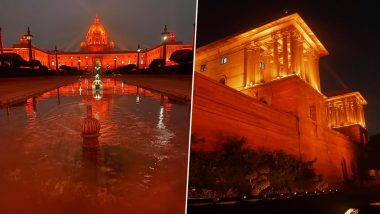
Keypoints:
pixel 139 166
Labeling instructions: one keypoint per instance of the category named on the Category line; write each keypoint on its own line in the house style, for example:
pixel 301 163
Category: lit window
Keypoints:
pixel 262 65
pixel 203 68
pixel 142 62
pixel 223 60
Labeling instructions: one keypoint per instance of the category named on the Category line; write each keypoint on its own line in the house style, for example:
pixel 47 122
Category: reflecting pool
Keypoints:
pixel 139 165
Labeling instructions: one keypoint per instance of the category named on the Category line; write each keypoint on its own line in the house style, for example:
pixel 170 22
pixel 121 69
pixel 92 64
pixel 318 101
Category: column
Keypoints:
pixel 344 101
pixel 308 67
pixel 256 61
pixel 276 66
pixel 285 53
pixel 356 109
pixel 361 115
pixel 352 111
pixel 336 115
pixel 293 52
pixel 266 72
pixel 316 71
pixel 248 65
pixel 299 59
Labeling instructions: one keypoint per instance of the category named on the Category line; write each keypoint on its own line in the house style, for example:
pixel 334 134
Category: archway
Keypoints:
pixel 222 79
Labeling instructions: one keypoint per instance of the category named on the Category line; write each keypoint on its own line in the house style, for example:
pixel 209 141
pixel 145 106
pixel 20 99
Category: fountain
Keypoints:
pixel 97 84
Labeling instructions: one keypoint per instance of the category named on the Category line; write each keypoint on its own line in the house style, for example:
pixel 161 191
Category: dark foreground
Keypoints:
pixel 337 203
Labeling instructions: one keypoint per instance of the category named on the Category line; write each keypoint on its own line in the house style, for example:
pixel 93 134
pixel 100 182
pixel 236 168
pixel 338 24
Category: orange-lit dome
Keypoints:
pixel 96 38
pixel 97 34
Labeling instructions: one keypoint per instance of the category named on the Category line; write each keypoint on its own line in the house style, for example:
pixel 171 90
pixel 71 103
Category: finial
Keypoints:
pixel 28 31
pixel 165 29
pixel 96 18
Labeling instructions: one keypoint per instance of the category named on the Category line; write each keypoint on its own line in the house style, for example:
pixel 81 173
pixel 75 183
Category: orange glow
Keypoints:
pixel 97 49
pixel 346 110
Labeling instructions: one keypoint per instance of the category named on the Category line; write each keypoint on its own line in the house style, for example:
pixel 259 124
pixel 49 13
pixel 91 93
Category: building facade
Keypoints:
pixel 264 85
pixel 97 52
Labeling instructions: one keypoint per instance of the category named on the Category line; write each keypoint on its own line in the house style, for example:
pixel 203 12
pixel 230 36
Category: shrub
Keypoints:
pixel 235 171
pixel 12 60
pixel 182 56
pixel 131 68
pixel 156 63
pixel 34 63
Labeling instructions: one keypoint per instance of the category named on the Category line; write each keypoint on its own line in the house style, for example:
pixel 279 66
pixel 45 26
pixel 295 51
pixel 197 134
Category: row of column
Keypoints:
pixel 294 61
pixel 346 111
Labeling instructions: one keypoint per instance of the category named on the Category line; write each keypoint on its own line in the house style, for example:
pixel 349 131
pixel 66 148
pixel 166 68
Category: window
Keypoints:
pixel 313 113
pixel 203 68
pixel 223 60
pixel 262 65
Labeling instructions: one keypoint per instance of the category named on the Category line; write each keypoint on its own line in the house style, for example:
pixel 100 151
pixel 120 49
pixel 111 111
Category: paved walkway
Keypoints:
pixel 17 90
pixel 176 87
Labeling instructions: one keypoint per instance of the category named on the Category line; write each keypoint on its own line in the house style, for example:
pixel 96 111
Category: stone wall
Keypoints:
pixel 278 118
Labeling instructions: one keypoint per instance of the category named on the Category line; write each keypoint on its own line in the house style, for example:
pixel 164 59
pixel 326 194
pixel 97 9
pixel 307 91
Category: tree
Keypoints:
pixel 157 63
pixel 236 170
pixel 182 56
pixel 12 59
pixel 34 63
pixel 126 68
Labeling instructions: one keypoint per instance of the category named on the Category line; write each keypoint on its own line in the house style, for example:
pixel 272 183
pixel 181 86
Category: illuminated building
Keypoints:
pixel 264 84
pixel 97 52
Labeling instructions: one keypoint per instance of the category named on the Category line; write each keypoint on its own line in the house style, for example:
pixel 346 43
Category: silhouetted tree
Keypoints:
pixel 182 56
pixel 236 170
pixel 12 60
pixel 34 63
pixel 157 63
pixel 126 69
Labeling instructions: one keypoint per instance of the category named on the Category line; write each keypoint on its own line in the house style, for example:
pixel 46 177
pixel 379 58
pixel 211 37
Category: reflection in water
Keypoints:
pixel 46 166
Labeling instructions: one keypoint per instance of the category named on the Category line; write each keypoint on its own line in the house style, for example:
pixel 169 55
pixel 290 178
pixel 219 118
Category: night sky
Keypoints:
pixel 349 30
pixel 66 23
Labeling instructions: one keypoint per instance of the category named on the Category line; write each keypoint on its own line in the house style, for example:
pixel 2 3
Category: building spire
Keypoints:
pixel 96 18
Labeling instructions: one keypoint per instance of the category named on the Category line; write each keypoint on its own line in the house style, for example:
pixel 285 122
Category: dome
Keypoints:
pixel 97 34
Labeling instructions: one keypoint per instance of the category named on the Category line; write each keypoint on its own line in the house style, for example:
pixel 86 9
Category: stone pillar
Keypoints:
pixel 299 65
pixel 345 109
pixel 256 60
pixel 316 71
pixel 352 111
pixel 248 65
pixel 276 64
pixel 361 115
pixel 307 67
pixel 336 114
pixel 356 111
pixel 285 53
pixel 266 72
pixel 252 57
pixel 293 52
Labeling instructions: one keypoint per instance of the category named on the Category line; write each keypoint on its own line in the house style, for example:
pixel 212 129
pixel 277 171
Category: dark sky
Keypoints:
pixel 349 30
pixel 66 22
